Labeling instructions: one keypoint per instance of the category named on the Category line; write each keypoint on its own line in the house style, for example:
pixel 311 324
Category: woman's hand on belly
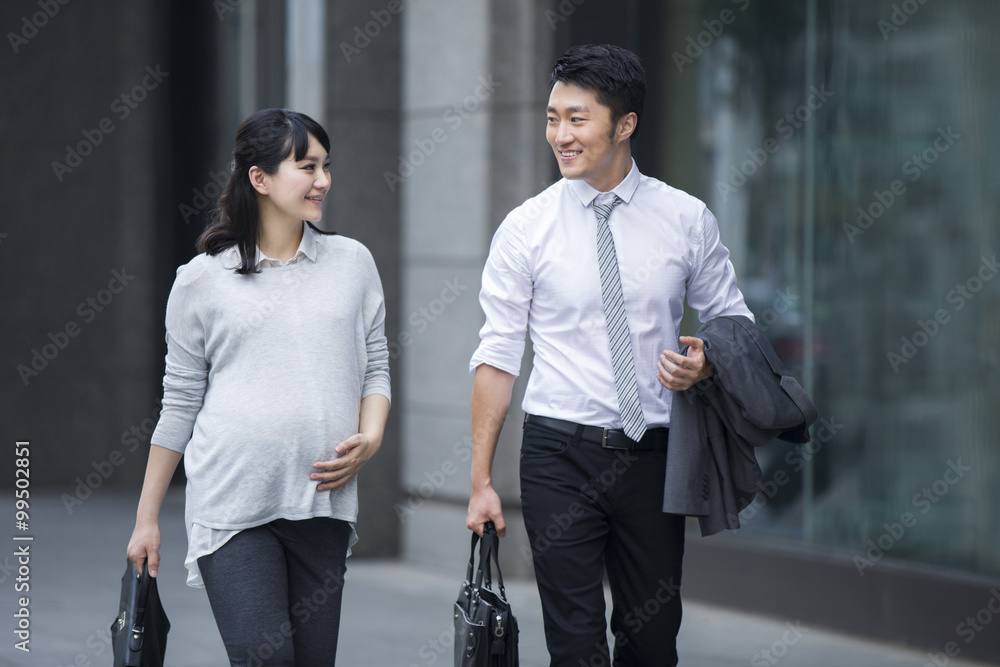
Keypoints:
pixel 354 453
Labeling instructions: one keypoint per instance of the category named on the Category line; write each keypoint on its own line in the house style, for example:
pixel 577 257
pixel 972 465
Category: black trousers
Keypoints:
pixel 276 590
pixel 588 511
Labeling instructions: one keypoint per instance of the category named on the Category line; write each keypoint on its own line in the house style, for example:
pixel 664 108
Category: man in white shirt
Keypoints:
pixel 596 268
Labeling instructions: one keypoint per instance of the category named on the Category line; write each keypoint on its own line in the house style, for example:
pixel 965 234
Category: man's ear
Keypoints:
pixel 259 180
pixel 626 126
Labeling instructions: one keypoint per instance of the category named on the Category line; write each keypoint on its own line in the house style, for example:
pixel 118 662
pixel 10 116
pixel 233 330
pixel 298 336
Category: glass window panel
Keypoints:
pixel 853 164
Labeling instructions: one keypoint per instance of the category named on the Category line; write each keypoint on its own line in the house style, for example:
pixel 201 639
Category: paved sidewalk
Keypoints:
pixel 395 615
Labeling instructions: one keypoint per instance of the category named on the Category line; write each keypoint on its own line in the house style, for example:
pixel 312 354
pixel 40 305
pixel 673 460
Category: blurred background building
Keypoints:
pixel 849 149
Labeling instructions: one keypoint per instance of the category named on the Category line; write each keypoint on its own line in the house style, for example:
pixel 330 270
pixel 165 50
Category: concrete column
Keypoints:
pixel 473 148
pixel 362 117
pixel 305 64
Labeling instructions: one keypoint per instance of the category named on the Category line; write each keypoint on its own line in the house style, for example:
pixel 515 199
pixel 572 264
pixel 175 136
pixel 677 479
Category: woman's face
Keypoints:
pixel 296 191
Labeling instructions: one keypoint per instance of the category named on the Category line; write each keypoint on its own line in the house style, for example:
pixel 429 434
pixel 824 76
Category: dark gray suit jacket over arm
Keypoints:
pixel 712 472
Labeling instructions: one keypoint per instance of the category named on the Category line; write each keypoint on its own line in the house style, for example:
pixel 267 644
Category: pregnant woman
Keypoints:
pixel 276 393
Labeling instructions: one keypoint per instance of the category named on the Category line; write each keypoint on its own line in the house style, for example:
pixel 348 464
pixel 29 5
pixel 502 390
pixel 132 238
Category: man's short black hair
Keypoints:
pixel 614 74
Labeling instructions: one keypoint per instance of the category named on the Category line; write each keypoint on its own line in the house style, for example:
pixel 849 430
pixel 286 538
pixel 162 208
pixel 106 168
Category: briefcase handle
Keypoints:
pixel 138 628
pixel 489 550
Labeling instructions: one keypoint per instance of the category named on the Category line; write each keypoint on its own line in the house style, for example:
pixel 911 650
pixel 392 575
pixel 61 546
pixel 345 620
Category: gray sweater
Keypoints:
pixel 264 376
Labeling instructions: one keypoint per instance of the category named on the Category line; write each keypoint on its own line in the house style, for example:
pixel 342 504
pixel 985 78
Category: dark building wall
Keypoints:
pixel 79 256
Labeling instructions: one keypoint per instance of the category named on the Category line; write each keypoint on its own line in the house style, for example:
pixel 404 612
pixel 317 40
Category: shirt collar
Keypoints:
pixel 310 242
pixel 307 250
pixel 624 190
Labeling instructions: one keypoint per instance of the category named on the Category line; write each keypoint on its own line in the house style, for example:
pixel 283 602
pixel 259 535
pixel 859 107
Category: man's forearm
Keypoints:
pixel 491 391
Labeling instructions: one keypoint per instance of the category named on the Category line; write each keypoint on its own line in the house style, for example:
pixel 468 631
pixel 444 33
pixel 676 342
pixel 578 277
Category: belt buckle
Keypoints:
pixel 604 440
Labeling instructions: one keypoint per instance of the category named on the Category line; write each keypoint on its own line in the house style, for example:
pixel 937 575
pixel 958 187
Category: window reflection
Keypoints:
pixel 869 258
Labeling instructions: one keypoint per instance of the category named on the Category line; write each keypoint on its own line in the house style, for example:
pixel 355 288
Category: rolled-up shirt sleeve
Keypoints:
pixel 505 298
pixel 376 380
pixel 711 285
pixel 186 375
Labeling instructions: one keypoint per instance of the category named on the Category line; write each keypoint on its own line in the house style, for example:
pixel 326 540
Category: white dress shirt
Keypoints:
pixel 542 274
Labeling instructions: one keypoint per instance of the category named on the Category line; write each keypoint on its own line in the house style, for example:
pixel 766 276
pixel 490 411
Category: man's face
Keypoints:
pixel 579 129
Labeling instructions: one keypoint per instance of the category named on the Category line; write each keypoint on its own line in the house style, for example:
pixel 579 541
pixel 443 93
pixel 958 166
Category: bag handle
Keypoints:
pixel 141 598
pixel 137 630
pixel 483 569
pixel 495 553
pixel 489 556
pixel 472 558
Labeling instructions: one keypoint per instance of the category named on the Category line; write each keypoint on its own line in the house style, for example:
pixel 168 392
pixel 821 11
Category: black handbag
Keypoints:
pixel 139 633
pixel 485 627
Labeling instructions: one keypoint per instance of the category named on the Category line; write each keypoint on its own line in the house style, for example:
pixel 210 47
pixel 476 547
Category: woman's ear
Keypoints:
pixel 259 180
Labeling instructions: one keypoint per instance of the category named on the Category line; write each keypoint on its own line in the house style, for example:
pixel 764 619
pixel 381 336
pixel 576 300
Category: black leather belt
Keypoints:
pixel 609 438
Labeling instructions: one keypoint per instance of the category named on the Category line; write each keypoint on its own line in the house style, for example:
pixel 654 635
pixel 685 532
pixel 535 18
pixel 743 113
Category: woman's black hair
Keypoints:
pixel 614 74
pixel 264 140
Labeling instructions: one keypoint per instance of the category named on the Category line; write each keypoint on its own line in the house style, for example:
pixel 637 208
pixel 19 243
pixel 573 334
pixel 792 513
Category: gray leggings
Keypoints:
pixel 275 591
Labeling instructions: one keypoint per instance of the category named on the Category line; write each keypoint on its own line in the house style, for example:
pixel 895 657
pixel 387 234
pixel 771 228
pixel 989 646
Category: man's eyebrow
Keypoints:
pixel 577 109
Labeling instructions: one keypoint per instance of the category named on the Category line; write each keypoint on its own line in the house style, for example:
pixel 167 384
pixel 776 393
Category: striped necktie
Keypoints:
pixel 614 313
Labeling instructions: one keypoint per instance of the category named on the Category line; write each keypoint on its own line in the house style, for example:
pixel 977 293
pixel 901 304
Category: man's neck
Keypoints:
pixel 620 166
